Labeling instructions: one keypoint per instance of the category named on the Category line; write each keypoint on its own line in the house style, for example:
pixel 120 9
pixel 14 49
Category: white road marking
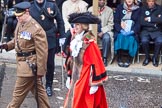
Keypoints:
pixel 60 98
pixel 55 80
pixel 131 78
pixel 57 89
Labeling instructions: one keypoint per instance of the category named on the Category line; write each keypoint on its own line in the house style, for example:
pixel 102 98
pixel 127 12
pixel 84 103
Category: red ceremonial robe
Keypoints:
pixel 88 70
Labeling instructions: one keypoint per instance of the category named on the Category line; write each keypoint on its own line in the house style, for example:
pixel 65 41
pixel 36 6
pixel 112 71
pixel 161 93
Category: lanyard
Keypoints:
pixel 101 10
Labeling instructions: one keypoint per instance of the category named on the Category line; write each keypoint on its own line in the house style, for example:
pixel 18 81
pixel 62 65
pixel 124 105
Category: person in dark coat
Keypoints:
pixel 11 19
pixel 126 26
pixel 45 12
pixel 151 22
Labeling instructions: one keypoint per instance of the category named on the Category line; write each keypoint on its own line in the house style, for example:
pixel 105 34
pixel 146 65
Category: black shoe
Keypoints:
pixel 126 64
pixel 105 62
pixel 155 62
pixel 146 61
pixel 49 91
pixel 120 64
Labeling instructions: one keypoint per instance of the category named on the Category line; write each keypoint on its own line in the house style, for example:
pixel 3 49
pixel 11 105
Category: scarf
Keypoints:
pixel 128 14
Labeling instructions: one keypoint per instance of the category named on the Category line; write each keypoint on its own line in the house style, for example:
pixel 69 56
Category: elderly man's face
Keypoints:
pixel 151 3
pixel 101 3
pixel 40 1
pixel 22 18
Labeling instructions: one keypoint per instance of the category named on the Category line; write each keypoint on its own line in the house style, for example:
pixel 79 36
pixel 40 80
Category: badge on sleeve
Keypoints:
pixel 25 35
pixel 124 12
pixel 147 13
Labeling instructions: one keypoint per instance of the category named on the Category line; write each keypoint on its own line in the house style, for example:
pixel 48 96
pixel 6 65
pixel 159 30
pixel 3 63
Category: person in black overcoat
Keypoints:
pixel 45 12
pixel 151 22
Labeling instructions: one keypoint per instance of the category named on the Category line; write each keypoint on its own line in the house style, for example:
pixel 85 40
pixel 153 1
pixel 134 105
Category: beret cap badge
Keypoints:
pixel 21 8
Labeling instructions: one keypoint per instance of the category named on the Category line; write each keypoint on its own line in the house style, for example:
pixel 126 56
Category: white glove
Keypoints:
pixel 93 89
pixel 68 82
pixel 61 41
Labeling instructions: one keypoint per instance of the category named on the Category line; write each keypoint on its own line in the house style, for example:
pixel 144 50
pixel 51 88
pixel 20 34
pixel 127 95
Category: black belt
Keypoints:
pixel 25 54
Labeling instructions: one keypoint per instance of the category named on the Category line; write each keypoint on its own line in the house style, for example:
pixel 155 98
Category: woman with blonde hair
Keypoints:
pixel 88 72
pixel 69 7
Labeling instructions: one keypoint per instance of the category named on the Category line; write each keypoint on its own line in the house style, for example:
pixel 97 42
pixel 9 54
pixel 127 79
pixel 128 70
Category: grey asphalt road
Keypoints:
pixel 123 90
pixel 134 91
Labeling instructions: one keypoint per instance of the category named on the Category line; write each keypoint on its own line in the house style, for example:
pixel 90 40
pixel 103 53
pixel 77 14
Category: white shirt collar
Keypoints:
pixel 76 44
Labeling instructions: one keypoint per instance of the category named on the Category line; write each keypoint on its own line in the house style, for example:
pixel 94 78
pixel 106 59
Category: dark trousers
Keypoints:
pixel 145 40
pixel 106 41
pixel 50 67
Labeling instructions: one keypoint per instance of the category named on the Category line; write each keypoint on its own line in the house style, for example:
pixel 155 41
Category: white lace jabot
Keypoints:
pixel 76 44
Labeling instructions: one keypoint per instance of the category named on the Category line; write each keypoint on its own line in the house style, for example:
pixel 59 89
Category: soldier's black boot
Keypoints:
pixel 49 88
pixel 49 91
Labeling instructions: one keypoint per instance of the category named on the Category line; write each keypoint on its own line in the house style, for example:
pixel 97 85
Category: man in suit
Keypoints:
pixel 151 21
pixel 105 33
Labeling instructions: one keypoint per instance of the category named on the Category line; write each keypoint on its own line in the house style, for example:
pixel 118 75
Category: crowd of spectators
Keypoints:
pixel 133 35
pixel 113 26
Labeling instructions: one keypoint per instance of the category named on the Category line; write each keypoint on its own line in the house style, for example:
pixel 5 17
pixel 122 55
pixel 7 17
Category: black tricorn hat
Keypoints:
pixel 85 18
pixel 21 7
